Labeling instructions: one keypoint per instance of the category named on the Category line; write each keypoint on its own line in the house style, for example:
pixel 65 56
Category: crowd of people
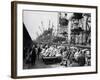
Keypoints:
pixel 70 56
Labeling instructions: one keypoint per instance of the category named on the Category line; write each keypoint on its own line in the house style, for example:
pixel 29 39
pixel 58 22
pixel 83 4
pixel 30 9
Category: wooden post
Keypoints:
pixel 69 32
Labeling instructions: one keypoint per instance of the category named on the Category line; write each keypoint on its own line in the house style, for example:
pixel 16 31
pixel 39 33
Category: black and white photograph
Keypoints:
pixel 56 39
pixel 53 39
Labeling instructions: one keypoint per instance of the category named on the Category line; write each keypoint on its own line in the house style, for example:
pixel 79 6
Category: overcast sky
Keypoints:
pixel 33 19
